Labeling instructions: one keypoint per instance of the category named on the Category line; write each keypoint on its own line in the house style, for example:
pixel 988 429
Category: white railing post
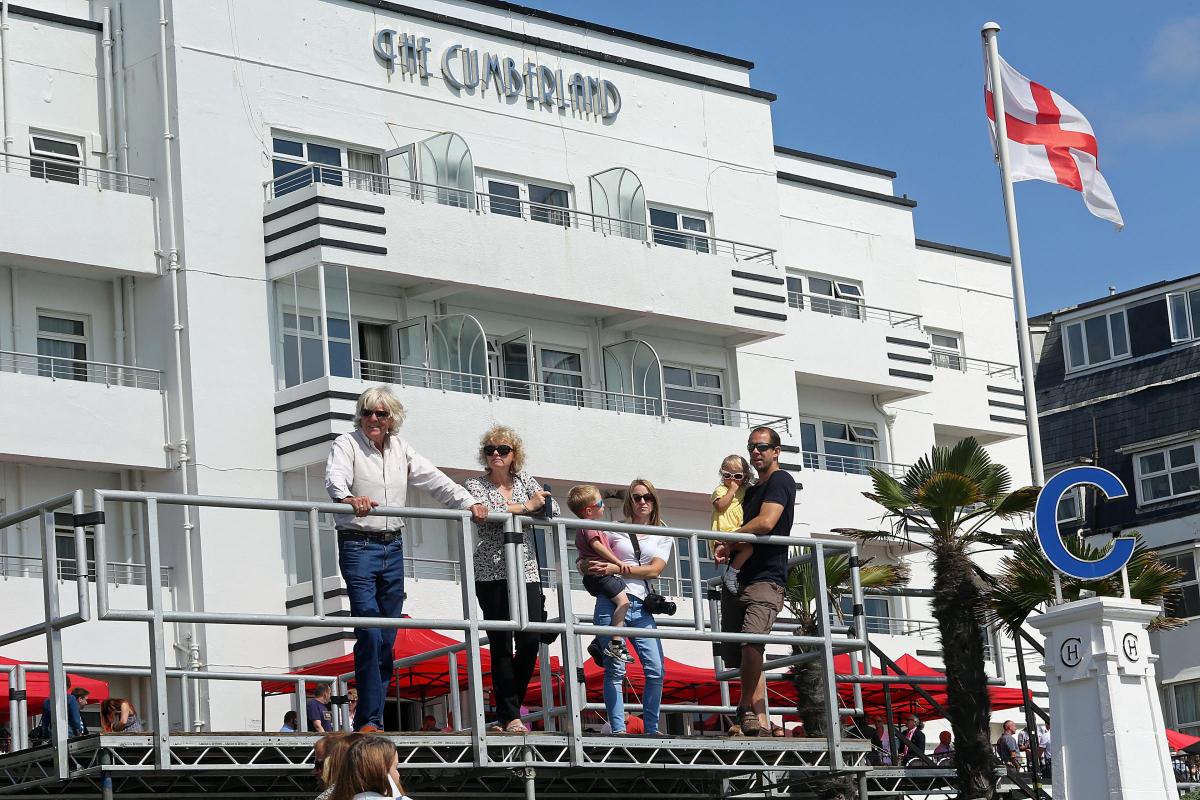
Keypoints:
pixel 158 646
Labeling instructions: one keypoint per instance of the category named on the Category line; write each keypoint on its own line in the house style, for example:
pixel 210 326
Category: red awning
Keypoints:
pixel 1181 741
pixel 37 687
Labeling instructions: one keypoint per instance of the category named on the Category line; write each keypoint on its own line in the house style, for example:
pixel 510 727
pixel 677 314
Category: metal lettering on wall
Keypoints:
pixel 468 69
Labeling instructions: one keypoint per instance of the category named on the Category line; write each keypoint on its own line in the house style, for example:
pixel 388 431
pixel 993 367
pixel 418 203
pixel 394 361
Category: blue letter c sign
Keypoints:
pixel 1046 524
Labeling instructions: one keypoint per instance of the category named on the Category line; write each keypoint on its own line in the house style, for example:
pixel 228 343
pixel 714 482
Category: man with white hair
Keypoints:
pixel 371 467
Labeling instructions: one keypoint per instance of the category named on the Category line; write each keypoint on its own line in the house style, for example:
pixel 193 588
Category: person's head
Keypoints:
pixel 763 447
pixel 1010 726
pixel 585 501
pixel 322 692
pixel 368 765
pixel 110 712
pixel 429 723
pixel 81 694
pixel 735 468
pixel 913 721
pixel 641 503
pixel 352 694
pixel 944 737
pixel 378 413
pixel 328 752
pixel 501 451
pixel 289 719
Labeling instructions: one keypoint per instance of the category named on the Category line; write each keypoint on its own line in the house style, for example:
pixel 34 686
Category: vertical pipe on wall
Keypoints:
pixel 110 117
pixel 119 72
pixel 4 120
pixel 130 322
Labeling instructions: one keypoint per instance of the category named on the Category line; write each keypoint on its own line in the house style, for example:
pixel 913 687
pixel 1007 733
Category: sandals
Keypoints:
pixel 516 726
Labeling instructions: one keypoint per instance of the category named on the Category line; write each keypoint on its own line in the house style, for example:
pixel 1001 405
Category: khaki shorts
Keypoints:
pixel 751 610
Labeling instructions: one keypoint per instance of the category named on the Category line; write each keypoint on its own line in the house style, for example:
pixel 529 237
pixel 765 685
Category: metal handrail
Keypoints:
pixel 850 464
pixel 557 394
pixel 947 360
pixel 500 205
pixel 52 170
pixel 80 369
pixel 119 572
pixel 852 309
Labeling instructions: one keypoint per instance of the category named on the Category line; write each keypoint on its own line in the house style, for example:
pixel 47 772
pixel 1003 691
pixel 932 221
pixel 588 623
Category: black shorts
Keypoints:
pixel 608 585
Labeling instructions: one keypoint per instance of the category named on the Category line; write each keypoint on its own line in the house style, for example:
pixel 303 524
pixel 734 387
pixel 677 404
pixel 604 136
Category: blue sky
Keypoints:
pixel 898 85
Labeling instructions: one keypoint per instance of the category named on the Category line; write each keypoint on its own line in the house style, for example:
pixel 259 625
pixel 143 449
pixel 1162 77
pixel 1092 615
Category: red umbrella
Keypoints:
pixel 1181 741
pixel 37 687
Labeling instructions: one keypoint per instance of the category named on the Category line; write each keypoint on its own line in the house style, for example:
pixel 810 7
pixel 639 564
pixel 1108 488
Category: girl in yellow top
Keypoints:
pixel 727 501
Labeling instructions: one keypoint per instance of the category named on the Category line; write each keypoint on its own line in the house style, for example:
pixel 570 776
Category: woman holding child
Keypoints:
pixel 641 560
pixel 506 487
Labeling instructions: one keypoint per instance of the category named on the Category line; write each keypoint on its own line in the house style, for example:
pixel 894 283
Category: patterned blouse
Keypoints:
pixel 489 552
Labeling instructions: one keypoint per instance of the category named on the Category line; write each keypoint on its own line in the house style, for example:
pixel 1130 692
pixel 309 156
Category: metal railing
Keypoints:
pixel 896 626
pixel 559 394
pixel 119 572
pixel 53 170
pixel 852 309
pixel 850 465
pixel 961 363
pixel 79 369
pixel 505 206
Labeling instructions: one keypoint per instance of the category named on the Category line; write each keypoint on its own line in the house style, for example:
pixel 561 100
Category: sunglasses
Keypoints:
pixel 493 449
pixel 737 476
pixel 760 447
pixel 598 504
pixel 642 498
pixel 378 414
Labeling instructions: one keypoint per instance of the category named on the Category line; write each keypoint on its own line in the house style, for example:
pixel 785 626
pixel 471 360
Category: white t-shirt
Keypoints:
pixel 651 547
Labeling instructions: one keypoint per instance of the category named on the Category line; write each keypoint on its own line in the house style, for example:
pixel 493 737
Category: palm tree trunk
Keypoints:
pixel 809 679
pixel 957 604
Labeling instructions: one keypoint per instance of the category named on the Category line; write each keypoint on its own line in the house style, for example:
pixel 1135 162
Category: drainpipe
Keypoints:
pixel 118 298
pixel 119 70
pixel 889 419
pixel 14 287
pixel 173 266
pixel 110 120
pixel 128 285
pixel 4 82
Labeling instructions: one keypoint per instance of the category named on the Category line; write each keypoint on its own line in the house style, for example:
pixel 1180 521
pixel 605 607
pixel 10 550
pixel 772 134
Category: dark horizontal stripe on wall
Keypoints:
pixel 1005 390
pixel 750 276
pixel 328 415
pixel 843 189
pixel 334 223
pixel 325 201
pixel 340 636
pixel 291 448
pixel 50 16
pixel 789 448
pixel 790 467
pixel 536 42
pixel 774 298
pixel 1013 420
pixel 340 244
pixel 906 342
pixel 916 376
pixel 754 312
pixel 910 359
pixel 307 599
pixel 328 394
pixel 837 162
pixel 1002 404
pixel 963 251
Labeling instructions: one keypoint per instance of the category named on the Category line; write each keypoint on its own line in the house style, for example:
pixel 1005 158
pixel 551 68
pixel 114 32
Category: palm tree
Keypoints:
pixel 1026 581
pixel 952 494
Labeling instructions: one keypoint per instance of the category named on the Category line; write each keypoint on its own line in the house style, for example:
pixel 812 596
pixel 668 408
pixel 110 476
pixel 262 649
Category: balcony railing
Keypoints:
pixel 851 309
pixel 56 171
pixel 119 573
pixel 850 465
pixel 558 394
pixel 992 369
pixel 78 369
pixel 504 206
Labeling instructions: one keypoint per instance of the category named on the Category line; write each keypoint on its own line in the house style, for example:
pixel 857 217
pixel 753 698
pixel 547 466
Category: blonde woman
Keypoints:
pixel 368 468
pixel 506 487
pixel 369 768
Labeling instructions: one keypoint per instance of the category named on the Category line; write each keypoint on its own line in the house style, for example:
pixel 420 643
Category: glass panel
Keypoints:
pixel 1154 462
pixel 1183 601
pixel 708 380
pixel 1187 480
pixel 864 433
pixel 445 161
pixel 1187 702
pixel 337 309
pixel 617 194
pixel 1180 330
pixel 291 360
pixel 69 150
pixel 677 376
pixel 1096 329
pixel 62 359
pixel 557 359
pixel 287 147
pixel 301 177
pixel 848 290
pixel 1156 487
pixel 364 171
pixel 324 154
pixel 52 169
pixel 1075 353
pixel 1185 562
pixel 632 371
pixel 563 388
pixel 696 406
pixel 458 347
pixel 514 366
pixel 412 352
pixel 820 286
pixel 944 340
pixel 308 297
pixel 70 327
pixel 1182 456
pixel 1120 338
pixel 834 430
pixel 1194 305
pixel 1068 507
pixel 700 226
pixel 312 366
pixel 546 196
pixel 498 204
pixel 669 221
pixel 664 219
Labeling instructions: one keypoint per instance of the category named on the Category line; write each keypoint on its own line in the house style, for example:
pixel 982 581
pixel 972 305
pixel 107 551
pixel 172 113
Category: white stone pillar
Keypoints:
pixel 1107 732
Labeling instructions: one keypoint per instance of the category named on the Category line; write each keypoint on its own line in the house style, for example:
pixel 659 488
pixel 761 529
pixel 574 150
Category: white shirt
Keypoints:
pixel 357 468
pixel 651 547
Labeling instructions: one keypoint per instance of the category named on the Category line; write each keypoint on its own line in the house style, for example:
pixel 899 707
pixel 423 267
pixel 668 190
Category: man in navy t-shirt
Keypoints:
pixel 768 510
pixel 320 718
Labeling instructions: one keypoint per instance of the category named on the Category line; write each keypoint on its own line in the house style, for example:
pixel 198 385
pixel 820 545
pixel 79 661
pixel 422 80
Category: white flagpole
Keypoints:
pixel 989 32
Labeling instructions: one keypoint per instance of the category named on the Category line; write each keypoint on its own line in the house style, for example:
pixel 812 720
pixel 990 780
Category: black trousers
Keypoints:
pixel 511 671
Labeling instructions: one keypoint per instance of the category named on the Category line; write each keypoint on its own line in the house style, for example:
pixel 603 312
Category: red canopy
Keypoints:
pixel 1181 741
pixel 37 687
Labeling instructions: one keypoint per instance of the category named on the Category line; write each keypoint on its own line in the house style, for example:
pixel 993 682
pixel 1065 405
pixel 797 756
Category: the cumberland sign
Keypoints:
pixel 465 68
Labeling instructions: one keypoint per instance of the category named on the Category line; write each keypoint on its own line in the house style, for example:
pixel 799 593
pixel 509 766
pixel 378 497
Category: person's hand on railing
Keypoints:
pixel 536 502
pixel 362 505
pixel 479 513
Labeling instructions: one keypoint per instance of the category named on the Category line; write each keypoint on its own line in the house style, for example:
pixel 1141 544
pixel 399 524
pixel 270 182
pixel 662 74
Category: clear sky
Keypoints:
pixel 899 85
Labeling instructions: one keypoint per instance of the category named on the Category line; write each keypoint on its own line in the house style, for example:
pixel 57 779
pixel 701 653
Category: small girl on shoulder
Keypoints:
pixel 727 500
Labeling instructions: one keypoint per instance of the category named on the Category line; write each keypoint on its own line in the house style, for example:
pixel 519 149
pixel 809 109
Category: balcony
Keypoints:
pixel 977 398
pixel 117 412
pixel 855 347
pixel 71 217
pixel 839 482
pixel 436 241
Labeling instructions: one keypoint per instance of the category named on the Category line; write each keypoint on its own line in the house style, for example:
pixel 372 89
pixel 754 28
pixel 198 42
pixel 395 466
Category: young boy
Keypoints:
pixel 586 502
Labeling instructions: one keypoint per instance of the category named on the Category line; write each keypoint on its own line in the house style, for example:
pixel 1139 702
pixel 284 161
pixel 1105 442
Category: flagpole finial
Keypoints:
pixel 989 27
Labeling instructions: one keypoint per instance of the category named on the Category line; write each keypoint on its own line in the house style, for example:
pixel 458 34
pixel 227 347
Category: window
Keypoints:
pixel 543 200
pixel 364 171
pixel 1187 708
pixel 1184 310
pixel 1170 472
pixel 562 372
pixel 795 291
pixel 850 447
pixel 878 612
pixel 834 296
pixel 1070 507
pixel 290 155
pixel 62 346
pixel 1184 598
pixel 54 157
pixel 1096 340
pixel 505 198
pixel 64 546
pixel 680 229
pixel 945 347
pixel 518 198
pixel 302 346
pixel 695 394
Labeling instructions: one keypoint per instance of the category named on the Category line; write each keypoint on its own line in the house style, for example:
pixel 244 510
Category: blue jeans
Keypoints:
pixel 649 653
pixel 374 576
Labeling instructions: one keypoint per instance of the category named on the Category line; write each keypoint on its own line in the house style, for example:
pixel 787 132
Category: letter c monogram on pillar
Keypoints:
pixel 1046 524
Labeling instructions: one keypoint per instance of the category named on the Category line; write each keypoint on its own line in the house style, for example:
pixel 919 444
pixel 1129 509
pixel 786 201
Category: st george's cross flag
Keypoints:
pixel 1049 140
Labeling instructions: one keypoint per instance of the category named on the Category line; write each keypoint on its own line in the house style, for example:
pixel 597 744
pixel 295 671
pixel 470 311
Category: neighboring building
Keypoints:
pixel 1118 385
pixel 602 246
